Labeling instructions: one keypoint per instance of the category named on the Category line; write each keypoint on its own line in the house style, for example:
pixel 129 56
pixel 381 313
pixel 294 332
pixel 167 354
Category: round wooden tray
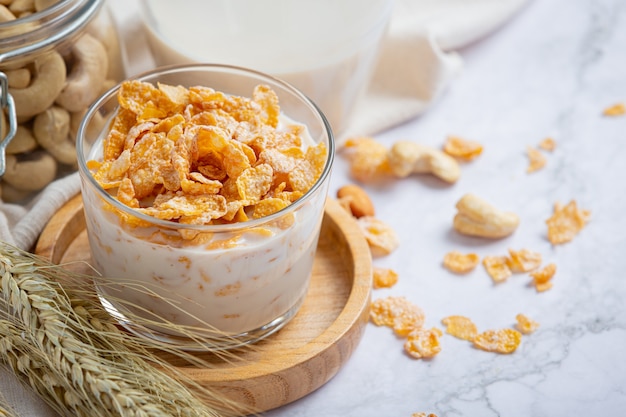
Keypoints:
pixel 299 358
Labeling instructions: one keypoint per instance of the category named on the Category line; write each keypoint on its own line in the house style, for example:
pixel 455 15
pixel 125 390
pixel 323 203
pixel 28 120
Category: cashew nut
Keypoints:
pixel 89 71
pixel 93 129
pixel 103 30
pixel 51 129
pixel 4 124
pixel 10 194
pixel 18 78
pixel 48 81
pixel 32 172
pixel 5 14
pixel 44 4
pixel 406 158
pixel 476 217
pixel 23 141
pixel 21 6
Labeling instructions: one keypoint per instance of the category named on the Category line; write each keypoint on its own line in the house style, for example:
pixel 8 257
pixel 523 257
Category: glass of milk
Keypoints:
pixel 325 48
pixel 238 283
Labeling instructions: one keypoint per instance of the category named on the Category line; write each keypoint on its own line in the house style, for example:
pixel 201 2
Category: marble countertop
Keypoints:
pixel 549 72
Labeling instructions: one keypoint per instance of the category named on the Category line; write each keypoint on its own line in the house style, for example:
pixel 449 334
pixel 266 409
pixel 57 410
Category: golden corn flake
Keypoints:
pixel 367 157
pixel 548 144
pixel 618 109
pixel 384 277
pixel 542 279
pixel 462 148
pixel 497 267
pixel 381 238
pixel 459 262
pixel 198 156
pixel 536 160
pixel 566 222
pixel 460 327
pixel 398 313
pixel 523 260
pixel 423 343
pixel 498 341
pixel 525 325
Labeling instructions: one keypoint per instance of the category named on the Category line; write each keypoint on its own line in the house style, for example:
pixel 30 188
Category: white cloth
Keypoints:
pixel 417 64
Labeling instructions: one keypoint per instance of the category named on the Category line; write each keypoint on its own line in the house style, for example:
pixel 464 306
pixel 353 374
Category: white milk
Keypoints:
pixel 326 48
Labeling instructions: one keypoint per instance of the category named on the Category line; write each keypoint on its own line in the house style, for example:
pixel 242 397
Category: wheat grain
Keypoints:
pixel 68 350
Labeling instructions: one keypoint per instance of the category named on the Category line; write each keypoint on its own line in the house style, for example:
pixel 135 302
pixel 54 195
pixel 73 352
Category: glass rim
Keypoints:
pixel 86 174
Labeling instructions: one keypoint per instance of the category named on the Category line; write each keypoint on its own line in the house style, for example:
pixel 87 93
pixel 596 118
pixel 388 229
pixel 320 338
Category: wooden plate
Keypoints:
pixel 299 358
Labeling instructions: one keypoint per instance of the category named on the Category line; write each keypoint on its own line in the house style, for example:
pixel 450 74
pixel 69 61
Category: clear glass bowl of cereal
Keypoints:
pixel 204 189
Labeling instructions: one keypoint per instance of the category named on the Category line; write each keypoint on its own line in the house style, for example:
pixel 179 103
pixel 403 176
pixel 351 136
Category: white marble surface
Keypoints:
pixel 549 72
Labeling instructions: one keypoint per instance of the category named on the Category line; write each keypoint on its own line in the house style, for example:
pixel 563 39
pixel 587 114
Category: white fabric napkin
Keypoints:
pixel 417 64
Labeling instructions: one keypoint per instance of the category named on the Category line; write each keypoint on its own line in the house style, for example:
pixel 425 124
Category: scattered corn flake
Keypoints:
pixel 460 327
pixel 536 160
pixel 381 238
pixel 422 414
pixel 525 325
pixel 423 343
pixel 548 144
pixel 367 157
pixel 384 277
pixel 459 262
pixel 618 109
pixel 497 267
pixel 398 313
pixel 565 222
pixel 523 260
pixel 542 278
pixel 498 341
pixel 462 148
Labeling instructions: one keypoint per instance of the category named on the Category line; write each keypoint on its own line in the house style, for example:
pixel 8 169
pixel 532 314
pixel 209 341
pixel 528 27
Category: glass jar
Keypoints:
pixel 56 58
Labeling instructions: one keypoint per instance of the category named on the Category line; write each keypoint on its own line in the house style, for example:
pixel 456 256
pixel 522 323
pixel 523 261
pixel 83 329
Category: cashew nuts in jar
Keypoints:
pixel 52 85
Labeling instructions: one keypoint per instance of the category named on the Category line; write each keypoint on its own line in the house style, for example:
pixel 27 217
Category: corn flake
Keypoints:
pixel 525 325
pixel 462 148
pixel 381 238
pixel 198 156
pixel 536 160
pixel 497 267
pixel 618 109
pixel 548 144
pixel 423 343
pixel 367 157
pixel 542 278
pixel 498 341
pixel 523 260
pixel 566 222
pixel 384 277
pixel 460 327
pixel 459 262
pixel 398 313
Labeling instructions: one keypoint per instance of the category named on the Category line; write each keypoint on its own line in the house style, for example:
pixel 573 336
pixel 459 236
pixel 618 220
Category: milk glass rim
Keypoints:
pixel 215 228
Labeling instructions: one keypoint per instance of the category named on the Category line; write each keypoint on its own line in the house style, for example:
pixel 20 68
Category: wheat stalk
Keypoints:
pixel 67 349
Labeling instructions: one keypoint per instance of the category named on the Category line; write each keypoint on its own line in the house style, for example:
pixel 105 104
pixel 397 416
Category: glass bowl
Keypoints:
pixel 228 284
